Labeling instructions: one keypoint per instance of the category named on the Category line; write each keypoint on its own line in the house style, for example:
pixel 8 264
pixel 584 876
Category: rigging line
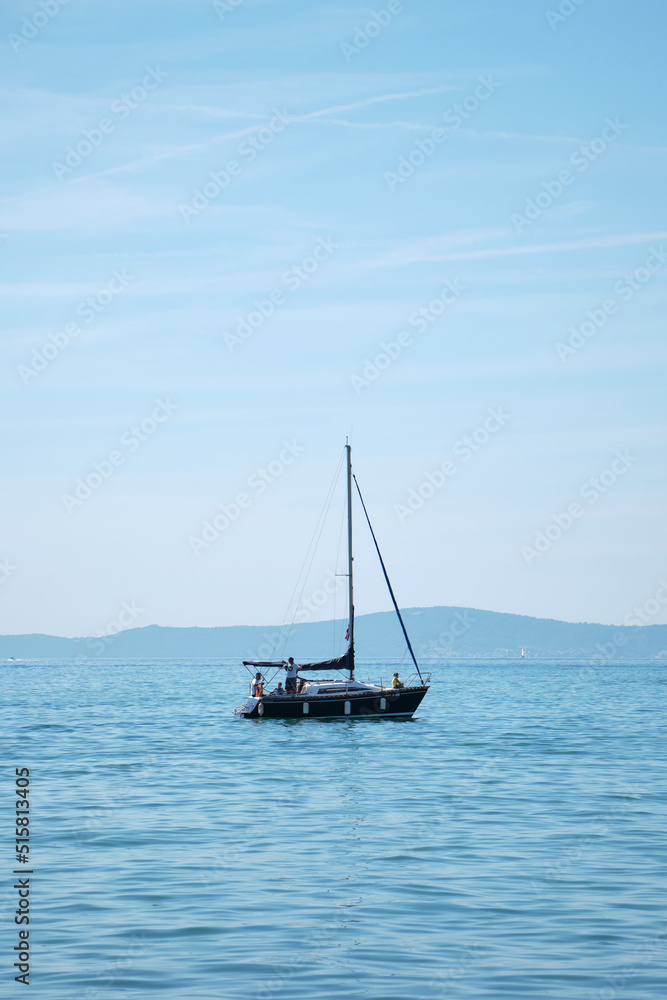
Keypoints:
pixel 310 554
pixel 313 541
pixel 377 548
pixel 316 540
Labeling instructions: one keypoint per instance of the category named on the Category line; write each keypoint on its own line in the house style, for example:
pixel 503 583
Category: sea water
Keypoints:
pixel 507 842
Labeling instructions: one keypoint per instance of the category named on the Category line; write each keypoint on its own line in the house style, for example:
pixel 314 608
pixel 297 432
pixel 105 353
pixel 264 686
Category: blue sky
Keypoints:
pixel 216 218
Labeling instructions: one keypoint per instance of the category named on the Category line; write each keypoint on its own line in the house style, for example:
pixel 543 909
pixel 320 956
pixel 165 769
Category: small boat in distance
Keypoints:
pixel 344 696
pixel 523 653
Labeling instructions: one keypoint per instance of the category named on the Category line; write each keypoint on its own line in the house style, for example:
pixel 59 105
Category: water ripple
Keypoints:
pixel 506 843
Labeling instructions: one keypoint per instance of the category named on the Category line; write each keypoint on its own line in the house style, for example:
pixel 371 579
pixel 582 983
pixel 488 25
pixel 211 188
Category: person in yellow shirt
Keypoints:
pixel 395 683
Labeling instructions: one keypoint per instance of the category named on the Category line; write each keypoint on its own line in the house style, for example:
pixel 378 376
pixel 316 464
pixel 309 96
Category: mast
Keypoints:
pixel 348 449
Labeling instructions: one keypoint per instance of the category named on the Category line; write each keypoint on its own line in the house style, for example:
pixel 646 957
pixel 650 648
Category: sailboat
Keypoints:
pixel 343 696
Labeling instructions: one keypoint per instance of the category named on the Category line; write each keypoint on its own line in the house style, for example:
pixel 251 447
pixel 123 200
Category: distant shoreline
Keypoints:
pixel 438 633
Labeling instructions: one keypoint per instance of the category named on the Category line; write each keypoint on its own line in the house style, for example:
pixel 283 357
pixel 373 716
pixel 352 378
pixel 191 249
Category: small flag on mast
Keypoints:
pixel 347 634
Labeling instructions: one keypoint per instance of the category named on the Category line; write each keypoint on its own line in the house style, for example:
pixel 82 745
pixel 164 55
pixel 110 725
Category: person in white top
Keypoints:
pixel 292 669
pixel 256 686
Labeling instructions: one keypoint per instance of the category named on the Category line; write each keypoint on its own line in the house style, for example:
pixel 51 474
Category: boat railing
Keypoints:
pixel 414 680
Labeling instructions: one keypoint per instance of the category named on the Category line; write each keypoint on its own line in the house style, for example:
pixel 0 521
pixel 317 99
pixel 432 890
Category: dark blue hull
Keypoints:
pixel 358 704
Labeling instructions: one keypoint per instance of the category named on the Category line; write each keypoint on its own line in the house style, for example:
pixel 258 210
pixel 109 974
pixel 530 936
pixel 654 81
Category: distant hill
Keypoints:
pixel 439 633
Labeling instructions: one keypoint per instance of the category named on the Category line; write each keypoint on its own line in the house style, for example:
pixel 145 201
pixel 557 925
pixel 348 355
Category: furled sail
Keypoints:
pixel 344 662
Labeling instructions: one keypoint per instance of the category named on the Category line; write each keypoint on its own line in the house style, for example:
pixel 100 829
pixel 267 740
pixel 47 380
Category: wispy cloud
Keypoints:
pixel 376 99
pixel 573 208
pixel 419 253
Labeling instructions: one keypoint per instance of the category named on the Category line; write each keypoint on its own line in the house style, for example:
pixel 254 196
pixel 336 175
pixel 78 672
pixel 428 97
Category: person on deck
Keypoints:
pixel 395 682
pixel 280 689
pixel 292 669
pixel 256 686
